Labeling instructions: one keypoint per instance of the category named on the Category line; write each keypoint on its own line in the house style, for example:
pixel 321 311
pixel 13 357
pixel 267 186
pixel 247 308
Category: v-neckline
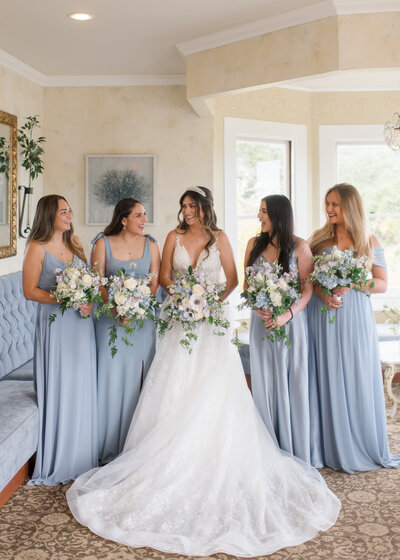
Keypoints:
pixel 187 252
pixel 54 257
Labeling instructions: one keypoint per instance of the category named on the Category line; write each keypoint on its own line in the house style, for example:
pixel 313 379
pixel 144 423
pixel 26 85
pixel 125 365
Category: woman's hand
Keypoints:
pixel 281 320
pixel 264 314
pixel 122 321
pixel 332 302
pixel 341 291
pixel 86 309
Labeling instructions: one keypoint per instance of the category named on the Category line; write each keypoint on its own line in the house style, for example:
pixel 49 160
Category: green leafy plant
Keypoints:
pixel 5 157
pixel 31 148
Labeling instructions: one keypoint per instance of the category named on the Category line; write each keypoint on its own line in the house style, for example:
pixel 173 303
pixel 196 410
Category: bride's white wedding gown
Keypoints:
pixel 199 472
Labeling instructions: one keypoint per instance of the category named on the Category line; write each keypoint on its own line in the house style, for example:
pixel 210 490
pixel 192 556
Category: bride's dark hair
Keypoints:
pixel 280 213
pixel 206 204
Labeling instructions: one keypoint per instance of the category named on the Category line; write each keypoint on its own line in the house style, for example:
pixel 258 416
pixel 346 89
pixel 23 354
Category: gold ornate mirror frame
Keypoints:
pixel 10 195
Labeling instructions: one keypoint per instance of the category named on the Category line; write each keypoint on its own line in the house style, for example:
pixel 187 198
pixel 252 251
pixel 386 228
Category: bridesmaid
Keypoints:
pixel 345 366
pixel 122 244
pixel 65 356
pixel 279 375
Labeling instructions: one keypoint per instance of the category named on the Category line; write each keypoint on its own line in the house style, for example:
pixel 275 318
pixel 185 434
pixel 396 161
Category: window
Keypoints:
pixel 362 159
pixel 262 168
pixel 262 158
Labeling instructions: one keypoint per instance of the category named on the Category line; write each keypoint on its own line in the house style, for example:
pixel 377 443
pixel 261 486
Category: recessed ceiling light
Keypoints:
pixel 81 16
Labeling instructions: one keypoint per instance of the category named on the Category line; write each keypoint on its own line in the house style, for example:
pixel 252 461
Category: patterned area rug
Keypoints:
pixel 35 524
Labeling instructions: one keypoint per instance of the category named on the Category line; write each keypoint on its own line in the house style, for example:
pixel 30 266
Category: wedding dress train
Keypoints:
pixel 199 472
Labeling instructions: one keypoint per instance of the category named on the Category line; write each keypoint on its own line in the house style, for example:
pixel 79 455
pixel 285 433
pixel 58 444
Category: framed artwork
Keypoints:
pixel 110 178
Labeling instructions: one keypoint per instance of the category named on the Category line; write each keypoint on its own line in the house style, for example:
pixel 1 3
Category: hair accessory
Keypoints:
pixel 198 190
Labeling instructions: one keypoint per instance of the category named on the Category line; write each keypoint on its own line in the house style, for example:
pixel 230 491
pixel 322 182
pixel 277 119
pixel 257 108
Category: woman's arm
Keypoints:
pixel 99 263
pixel 154 266
pixel 31 271
pixel 166 261
pixel 379 275
pixel 228 264
pixel 249 248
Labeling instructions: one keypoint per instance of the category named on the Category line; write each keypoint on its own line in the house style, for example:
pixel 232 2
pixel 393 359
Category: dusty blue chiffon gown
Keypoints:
pixel 64 370
pixel 120 378
pixel 348 417
pixel 279 380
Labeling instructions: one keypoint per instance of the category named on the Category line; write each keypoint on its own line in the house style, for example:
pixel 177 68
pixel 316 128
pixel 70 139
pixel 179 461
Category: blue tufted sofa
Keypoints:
pixel 18 410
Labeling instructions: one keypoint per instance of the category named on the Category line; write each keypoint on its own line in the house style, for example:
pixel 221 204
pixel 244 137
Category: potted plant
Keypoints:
pixel 31 151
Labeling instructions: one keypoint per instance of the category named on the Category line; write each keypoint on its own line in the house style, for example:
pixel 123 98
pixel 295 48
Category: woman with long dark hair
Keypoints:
pixel 349 417
pixel 65 355
pixel 199 473
pixel 121 245
pixel 279 375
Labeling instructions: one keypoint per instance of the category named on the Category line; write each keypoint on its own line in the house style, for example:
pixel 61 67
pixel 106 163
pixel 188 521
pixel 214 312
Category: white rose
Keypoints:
pixel 72 285
pixel 198 316
pixel 198 289
pixel 87 280
pixel 140 311
pixel 130 283
pixel 259 277
pixel 276 299
pixel 79 295
pixel 144 289
pixel 251 289
pixel 120 298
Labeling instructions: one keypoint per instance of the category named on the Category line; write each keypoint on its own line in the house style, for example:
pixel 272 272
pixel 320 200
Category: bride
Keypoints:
pixel 199 473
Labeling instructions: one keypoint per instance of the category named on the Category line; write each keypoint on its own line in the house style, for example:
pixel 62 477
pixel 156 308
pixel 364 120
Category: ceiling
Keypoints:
pixel 130 39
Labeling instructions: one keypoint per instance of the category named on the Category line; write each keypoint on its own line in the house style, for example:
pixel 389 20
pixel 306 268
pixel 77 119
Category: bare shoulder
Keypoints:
pixel 35 249
pixel 301 246
pixel 221 237
pixel 375 241
pixel 100 243
pixel 251 242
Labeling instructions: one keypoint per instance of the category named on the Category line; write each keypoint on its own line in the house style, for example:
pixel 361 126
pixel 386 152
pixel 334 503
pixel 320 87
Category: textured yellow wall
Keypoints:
pixel 126 120
pixel 22 98
pixel 334 43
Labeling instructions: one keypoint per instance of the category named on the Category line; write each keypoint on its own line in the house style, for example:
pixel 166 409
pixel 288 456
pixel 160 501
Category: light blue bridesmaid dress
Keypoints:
pixel 279 380
pixel 64 370
pixel 120 378
pixel 348 415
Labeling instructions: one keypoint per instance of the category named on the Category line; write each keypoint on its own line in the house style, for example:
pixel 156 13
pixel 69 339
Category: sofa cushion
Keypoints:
pixel 19 426
pixel 17 324
pixel 23 373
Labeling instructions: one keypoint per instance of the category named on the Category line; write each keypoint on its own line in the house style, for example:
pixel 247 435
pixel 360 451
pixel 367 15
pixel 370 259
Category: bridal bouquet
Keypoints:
pixel 272 289
pixel 192 301
pixel 339 269
pixel 76 284
pixel 130 302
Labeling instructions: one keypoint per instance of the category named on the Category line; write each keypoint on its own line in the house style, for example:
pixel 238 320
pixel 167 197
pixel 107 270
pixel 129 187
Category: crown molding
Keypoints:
pixel 261 27
pixel 12 63
pixel 314 12
pixel 15 65
pixel 347 7
pixel 117 81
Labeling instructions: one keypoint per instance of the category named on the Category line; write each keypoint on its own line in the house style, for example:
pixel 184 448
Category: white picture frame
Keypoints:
pixel 112 177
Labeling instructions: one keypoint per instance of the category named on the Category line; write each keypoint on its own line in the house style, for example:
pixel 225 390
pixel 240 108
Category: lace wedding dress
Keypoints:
pixel 199 473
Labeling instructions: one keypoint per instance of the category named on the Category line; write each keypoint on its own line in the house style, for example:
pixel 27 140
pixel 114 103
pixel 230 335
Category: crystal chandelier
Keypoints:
pixel 391 132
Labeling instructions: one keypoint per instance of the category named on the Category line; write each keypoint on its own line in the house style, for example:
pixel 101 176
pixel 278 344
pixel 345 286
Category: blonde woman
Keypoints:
pixel 350 434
